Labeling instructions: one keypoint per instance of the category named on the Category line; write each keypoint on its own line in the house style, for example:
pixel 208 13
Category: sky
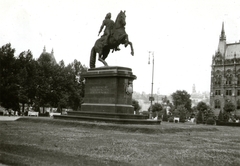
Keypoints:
pixel 183 35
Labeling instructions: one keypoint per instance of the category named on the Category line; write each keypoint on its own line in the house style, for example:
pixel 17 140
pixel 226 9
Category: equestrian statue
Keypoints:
pixel 114 35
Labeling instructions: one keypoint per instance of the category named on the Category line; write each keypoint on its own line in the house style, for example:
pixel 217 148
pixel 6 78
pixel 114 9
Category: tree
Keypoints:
pixel 220 116
pixel 8 82
pixel 192 113
pixel 44 88
pixel 182 98
pixel 165 116
pixel 208 114
pixel 26 78
pixel 206 111
pixel 136 106
pixel 229 107
pixel 78 84
pixel 40 83
pixel 202 106
pixel 199 117
pixel 182 113
pixel 156 108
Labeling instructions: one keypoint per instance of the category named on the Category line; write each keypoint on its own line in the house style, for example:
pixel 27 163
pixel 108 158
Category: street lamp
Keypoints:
pixel 151 98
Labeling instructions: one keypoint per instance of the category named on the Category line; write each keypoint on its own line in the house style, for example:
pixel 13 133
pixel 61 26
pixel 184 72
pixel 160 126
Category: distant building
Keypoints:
pixel 225 75
pixel 45 56
pixel 196 97
pixel 143 100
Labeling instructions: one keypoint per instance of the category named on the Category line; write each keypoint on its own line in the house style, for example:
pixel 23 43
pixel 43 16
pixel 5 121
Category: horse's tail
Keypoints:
pixel 92 58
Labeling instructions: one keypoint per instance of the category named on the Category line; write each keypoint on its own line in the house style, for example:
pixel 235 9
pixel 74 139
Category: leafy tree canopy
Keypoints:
pixel 182 98
pixel 229 107
pixel 39 82
pixel 8 82
pixel 202 106
pixel 136 105
pixel 156 107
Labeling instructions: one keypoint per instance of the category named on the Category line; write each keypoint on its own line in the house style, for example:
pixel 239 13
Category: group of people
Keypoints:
pixel 10 112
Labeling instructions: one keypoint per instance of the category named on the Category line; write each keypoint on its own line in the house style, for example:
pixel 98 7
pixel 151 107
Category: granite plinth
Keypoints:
pixel 106 90
pixel 108 98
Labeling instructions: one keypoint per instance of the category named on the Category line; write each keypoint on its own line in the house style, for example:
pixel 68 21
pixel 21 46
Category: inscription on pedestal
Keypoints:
pixel 99 90
pixel 108 90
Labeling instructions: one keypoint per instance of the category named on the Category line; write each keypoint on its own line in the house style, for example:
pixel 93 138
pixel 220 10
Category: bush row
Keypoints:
pixel 221 123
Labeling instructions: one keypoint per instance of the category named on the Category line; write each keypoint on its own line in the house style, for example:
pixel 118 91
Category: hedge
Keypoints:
pixel 220 123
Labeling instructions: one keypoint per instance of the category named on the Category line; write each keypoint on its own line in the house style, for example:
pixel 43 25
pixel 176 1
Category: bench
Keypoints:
pixel 54 113
pixel 30 113
pixel 176 119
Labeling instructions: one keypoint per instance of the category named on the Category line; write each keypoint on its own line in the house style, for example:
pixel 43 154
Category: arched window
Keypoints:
pixel 217 80
pixel 229 79
pixel 217 104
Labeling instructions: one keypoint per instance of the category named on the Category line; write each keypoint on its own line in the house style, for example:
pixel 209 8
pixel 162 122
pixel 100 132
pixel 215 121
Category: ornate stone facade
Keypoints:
pixel 225 75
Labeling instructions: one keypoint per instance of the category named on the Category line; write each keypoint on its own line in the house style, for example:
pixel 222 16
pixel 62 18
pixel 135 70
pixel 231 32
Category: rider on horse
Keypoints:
pixel 114 35
pixel 109 25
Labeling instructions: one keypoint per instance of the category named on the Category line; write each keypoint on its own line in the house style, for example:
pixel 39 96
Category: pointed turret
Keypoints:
pixel 52 52
pixel 222 36
pixel 44 49
pixel 193 89
pixel 222 42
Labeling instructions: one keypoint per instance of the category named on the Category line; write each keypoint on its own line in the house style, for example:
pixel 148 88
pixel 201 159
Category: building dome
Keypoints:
pixel 45 56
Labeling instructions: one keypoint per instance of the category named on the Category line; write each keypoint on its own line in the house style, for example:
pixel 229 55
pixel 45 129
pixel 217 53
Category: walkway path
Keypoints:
pixel 9 118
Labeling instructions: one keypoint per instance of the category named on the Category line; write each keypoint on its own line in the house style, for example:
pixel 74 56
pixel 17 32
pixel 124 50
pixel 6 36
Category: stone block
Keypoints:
pixel 108 89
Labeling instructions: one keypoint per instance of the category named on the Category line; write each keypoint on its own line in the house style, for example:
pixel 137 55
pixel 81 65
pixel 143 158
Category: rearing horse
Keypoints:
pixel 118 36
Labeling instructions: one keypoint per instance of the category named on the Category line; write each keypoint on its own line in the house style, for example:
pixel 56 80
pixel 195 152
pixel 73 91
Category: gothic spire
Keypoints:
pixel 52 52
pixel 44 49
pixel 223 36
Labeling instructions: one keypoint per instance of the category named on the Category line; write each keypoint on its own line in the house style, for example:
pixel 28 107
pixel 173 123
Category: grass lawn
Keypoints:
pixel 46 141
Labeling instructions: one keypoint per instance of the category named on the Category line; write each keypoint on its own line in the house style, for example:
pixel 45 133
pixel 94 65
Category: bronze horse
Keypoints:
pixel 117 37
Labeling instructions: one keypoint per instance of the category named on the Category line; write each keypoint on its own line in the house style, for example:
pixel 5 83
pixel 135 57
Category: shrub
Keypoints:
pixel 165 118
pixel 154 114
pixel 182 118
pixel 227 123
pixel 210 121
pixel 145 113
pixel 44 114
pixel 170 119
pixel 220 116
pixel 199 117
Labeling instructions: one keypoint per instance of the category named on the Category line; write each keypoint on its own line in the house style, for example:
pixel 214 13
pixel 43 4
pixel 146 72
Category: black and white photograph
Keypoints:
pixel 119 82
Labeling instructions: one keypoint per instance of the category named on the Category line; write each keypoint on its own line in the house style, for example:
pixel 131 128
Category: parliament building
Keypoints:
pixel 225 75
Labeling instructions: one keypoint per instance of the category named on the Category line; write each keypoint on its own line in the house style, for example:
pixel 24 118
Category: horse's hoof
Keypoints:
pixel 132 53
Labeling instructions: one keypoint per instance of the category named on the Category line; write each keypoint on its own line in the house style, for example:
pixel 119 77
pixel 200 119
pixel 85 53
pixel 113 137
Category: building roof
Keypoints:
pixel 231 50
pixel 50 55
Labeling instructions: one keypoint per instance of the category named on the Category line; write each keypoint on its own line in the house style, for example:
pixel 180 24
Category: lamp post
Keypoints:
pixel 151 98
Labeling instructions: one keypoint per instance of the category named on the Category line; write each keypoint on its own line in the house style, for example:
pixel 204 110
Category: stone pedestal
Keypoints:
pixel 108 98
pixel 108 90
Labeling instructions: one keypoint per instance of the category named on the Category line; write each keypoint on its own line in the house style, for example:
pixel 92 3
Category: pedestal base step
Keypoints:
pixel 107 115
pixel 109 120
